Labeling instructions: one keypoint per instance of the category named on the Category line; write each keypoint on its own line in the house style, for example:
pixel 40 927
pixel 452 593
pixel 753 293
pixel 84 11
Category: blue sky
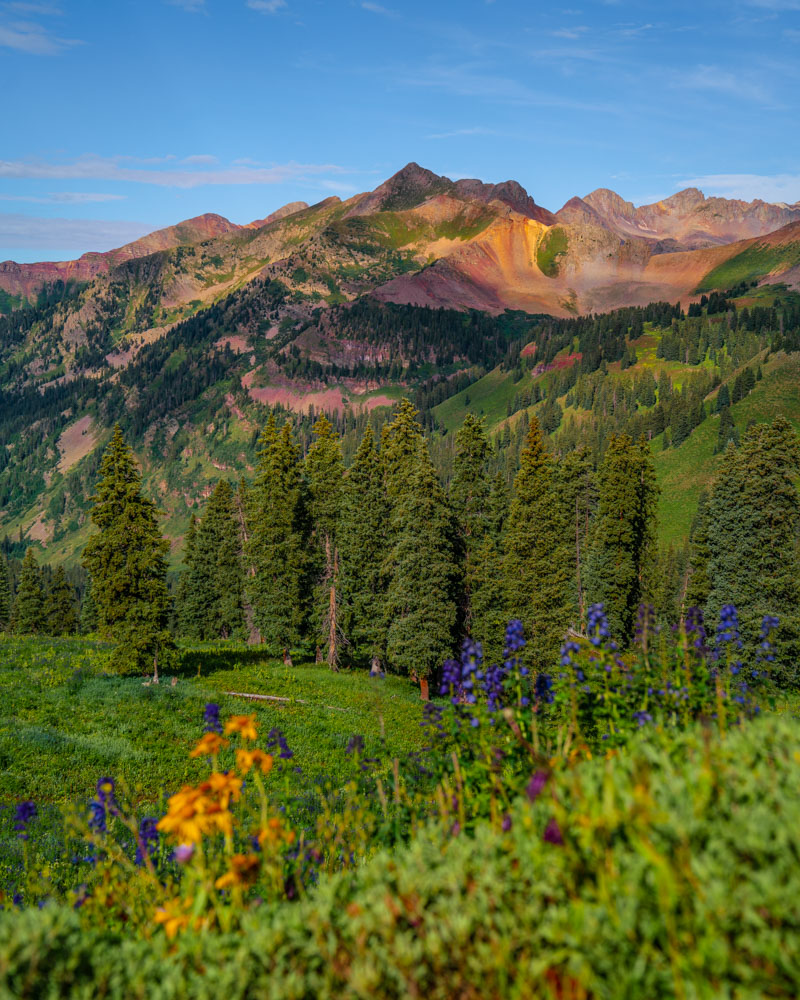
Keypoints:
pixel 120 116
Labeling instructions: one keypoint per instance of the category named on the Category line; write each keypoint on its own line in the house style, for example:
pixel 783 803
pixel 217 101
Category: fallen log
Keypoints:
pixel 275 697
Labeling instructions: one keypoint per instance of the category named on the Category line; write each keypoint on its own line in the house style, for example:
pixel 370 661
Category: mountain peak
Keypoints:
pixel 406 189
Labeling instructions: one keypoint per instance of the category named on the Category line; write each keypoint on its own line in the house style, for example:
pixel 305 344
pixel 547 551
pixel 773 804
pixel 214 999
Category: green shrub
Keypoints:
pixel 678 876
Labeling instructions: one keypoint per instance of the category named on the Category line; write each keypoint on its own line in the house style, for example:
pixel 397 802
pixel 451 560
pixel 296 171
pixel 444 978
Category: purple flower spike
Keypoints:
pixel 536 785
pixel 552 833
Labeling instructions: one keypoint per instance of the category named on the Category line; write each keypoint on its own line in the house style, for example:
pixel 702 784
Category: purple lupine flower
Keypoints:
pixel 543 689
pixel 696 631
pixel 642 718
pixel 147 841
pixel 598 628
pixel 471 660
pixel 506 824
pixel 553 834
pixel 494 678
pixel 766 649
pixel 515 637
pixel 536 785
pixel 25 812
pixel 276 739
pixel 568 650
pixel 97 818
pixel 105 791
pixel 211 723
pixel 451 681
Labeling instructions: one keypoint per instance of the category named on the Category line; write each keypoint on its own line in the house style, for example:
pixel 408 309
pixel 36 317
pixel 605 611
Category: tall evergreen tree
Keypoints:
pixel 400 441
pixel 89 616
pixel 487 594
pixel 5 597
pixel 576 492
pixel 60 605
pixel 364 536
pixel 324 474
pixel 753 524
pixel 277 539
pixel 537 566
pixel 29 613
pixel 623 554
pixel 421 600
pixel 127 562
pixel 186 603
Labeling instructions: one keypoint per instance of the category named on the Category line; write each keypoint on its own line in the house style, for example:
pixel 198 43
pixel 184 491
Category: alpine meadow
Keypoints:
pixel 399 592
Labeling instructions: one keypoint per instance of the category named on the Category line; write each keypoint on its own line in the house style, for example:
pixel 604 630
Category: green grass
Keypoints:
pixel 64 722
pixel 488 397
pixel 754 262
pixel 551 249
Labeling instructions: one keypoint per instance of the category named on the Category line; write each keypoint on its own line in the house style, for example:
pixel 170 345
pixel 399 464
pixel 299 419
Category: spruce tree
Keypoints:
pixel 277 540
pixel 620 572
pixel 324 473
pixel 400 441
pixel 753 524
pixel 364 535
pixel 487 594
pixel 421 605
pixel 538 568
pixel 127 562
pixel 29 613
pixel 89 617
pixel 5 597
pixel 60 605
pixel 576 493
pixel 186 606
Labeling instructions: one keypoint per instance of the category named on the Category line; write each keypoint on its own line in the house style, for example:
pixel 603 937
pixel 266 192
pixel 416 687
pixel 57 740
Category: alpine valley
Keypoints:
pixel 678 320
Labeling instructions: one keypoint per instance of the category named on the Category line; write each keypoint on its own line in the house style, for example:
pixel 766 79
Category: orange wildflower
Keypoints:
pixel 209 745
pixel 245 759
pixel 243 871
pixel 222 787
pixel 245 725
pixel 172 917
pixel 274 833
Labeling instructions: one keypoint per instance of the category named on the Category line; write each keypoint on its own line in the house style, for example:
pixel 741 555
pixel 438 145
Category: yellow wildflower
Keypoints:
pixel 245 725
pixel 172 917
pixel 245 759
pixel 209 745
pixel 222 788
pixel 274 833
pixel 243 871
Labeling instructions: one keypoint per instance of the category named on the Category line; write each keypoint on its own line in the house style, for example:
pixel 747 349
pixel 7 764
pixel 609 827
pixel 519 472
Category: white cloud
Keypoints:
pixel 774 187
pixel 42 9
pixel 30 232
pixel 63 198
pixel 376 8
pixel 723 81
pixel 33 39
pixel 477 130
pixel 572 33
pixel 100 168
pixel 266 6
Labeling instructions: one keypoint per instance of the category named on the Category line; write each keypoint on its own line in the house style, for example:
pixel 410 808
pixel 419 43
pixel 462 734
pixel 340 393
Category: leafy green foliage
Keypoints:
pixel 29 609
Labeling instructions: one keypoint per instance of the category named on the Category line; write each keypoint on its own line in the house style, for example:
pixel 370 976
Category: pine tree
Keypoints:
pixel 487 595
pixel 537 566
pixel 89 617
pixel 753 523
pixel 127 562
pixel 5 597
pixel 324 474
pixel 60 605
pixel 621 564
pixel 421 605
pixel 186 605
pixel 29 614
pixel 277 542
pixel 576 493
pixel 364 537
pixel 399 450
pixel 470 492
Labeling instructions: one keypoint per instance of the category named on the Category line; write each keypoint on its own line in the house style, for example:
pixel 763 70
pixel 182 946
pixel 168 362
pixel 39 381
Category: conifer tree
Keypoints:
pixel 89 618
pixel 29 613
pixel 60 605
pixel 487 596
pixel 421 604
pixel 127 562
pixel 186 611
pixel 277 540
pixel 5 597
pixel 753 523
pixel 537 566
pixel 576 492
pixel 324 472
pixel 364 535
pixel 400 441
pixel 469 499
pixel 623 553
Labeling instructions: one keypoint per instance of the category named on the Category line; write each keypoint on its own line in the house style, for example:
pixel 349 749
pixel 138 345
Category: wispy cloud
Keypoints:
pixel 63 198
pixel 477 130
pixel 28 232
pixel 767 187
pixel 34 39
pixel 266 6
pixel 571 33
pixel 776 5
pixel 39 9
pixel 714 78
pixel 116 169
pixel 376 8
pixel 191 6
